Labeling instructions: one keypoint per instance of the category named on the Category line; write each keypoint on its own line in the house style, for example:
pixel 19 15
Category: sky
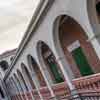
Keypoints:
pixel 15 16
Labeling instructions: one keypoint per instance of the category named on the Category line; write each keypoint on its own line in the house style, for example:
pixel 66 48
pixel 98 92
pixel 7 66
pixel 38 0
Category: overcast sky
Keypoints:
pixel 15 16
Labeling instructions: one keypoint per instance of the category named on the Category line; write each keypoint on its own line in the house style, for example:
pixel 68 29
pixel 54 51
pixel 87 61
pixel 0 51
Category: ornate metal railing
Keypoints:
pixel 87 87
pixel 81 96
pixel 88 82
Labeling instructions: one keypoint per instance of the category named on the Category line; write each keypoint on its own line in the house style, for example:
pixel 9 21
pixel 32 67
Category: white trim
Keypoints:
pixel 73 46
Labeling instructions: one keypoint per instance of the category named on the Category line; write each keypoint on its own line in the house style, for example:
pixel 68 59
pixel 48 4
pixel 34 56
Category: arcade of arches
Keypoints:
pixel 73 41
pixel 98 9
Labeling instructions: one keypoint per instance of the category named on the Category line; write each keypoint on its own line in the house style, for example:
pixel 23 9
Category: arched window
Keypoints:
pixel 18 82
pixel 4 65
pixel 34 67
pixel 50 61
pixel 28 79
pixel 27 75
pixel 71 40
pixel 22 80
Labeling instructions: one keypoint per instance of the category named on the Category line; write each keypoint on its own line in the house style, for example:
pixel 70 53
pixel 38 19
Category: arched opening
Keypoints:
pixel 98 9
pixel 72 40
pixel 34 67
pixel 22 80
pixel 4 65
pixel 29 80
pixel 14 87
pixel 50 62
pixel 14 84
pixel 18 82
pixel 27 75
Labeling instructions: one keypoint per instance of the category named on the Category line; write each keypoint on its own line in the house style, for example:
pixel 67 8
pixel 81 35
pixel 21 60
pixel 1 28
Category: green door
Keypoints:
pixel 82 62
pixel 54 69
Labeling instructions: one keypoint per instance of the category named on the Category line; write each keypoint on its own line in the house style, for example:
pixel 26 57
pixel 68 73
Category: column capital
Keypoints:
pixel 96 36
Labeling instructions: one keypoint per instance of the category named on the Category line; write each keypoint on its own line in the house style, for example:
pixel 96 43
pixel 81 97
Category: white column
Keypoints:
pixel 23 87
pixel 36 82
pixel 48 80
pixel 28 85
pixel 65 68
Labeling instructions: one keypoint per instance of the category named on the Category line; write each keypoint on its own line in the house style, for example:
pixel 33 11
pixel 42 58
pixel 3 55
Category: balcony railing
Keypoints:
pixel 81 96
pixel 88 82
pixel 88 88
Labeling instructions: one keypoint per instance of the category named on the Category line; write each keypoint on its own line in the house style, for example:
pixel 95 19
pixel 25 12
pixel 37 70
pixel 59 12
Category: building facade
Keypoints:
pixel 59 54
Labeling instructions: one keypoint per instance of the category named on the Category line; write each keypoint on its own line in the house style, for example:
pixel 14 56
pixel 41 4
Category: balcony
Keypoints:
pixel 87 87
